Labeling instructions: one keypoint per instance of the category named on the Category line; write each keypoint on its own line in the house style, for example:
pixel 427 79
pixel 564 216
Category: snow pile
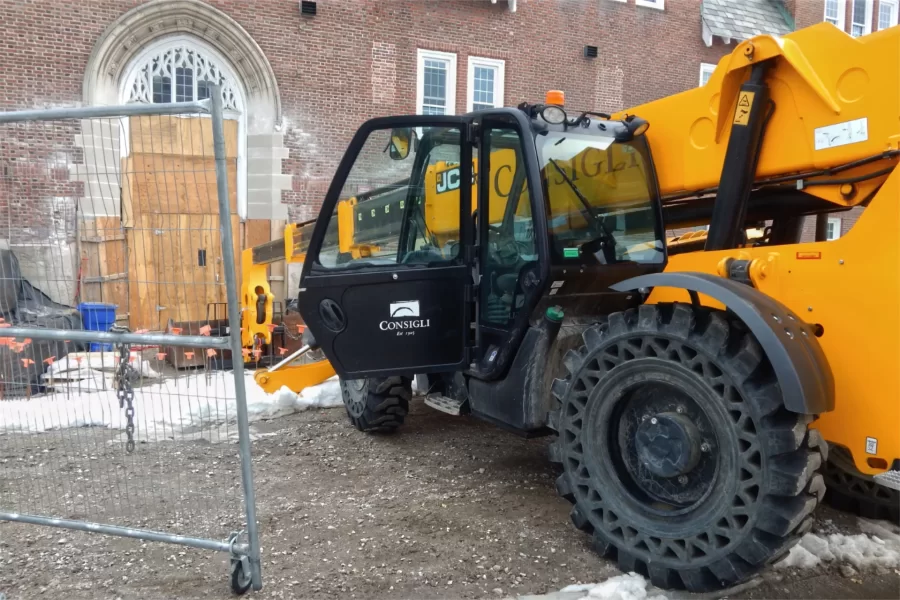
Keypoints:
pixel 92 371
pixel 877 547
pixel 621 587
pixel 162 409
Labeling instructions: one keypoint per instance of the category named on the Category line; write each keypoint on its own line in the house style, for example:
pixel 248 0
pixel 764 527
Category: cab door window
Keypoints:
pixel 400 203
pixel 509 244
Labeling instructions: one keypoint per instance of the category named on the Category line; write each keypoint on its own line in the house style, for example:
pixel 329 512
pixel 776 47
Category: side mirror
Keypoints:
pixel 401 140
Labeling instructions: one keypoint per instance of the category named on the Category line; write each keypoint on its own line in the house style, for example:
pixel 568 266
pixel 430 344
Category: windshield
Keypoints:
pixel 601 199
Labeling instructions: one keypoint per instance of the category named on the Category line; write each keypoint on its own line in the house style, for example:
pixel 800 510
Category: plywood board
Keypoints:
pixel 113 292
pixel 142 272
pixel 160 184
pixel 258 231
pixel 177 135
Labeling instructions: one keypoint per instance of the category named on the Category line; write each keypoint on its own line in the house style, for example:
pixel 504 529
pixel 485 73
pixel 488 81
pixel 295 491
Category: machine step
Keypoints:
pixel 890 479
pixel 444 404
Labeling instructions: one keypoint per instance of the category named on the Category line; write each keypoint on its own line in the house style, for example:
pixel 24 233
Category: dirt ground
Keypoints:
pixel 448 508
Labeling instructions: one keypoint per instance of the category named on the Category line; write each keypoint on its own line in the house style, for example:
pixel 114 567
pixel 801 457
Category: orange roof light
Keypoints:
pixel 557 97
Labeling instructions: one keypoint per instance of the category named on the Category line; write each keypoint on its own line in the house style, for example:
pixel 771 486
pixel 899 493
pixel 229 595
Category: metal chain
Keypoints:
pixel 124 391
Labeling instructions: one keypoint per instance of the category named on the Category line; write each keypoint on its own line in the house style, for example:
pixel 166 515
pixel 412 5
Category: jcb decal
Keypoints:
pixel 448 181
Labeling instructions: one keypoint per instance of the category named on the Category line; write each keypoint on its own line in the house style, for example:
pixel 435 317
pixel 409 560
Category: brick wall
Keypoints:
pixel 357 59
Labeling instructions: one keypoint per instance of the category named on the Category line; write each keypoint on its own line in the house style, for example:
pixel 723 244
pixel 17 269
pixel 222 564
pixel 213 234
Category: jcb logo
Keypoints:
pixel 447 181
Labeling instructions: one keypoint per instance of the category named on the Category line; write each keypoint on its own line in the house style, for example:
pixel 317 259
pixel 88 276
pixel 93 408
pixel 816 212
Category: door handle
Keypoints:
pixel 332 316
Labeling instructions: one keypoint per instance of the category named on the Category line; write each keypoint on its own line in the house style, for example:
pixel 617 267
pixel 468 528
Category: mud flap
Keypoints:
pixel 800 365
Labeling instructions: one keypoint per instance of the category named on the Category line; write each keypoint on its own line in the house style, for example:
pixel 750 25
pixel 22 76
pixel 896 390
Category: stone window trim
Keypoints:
pixel 215 33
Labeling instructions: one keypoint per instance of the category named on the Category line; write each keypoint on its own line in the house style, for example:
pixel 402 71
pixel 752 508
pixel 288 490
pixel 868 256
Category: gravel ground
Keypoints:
pixel 448 508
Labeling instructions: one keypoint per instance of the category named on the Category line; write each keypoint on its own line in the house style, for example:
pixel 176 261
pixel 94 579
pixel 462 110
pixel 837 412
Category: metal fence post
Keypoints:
pixel 234 317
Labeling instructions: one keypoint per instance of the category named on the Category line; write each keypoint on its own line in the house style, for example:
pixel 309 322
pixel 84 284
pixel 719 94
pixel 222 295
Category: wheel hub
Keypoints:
pixel 668 444
pixel 355 396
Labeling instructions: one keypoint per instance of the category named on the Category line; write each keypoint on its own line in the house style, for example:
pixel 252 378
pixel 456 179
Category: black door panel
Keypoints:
pixel 386 285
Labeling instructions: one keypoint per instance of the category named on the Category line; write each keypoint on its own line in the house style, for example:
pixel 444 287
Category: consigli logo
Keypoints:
pixel 399 310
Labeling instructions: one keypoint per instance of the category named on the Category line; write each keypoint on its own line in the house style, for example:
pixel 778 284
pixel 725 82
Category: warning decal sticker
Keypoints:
pixel 742 112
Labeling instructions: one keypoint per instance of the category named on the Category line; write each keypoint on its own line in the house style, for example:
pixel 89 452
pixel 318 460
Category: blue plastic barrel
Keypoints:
pixel 98 316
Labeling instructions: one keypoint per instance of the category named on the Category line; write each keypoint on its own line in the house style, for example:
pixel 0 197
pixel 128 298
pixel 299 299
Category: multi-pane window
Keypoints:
pixel 483 88
pixel 833 231
pixel 861 18
pixel 887 13
pixel 484 83
pixel 834 12
pixel 434 100
pixel 436 83
pixel 179 73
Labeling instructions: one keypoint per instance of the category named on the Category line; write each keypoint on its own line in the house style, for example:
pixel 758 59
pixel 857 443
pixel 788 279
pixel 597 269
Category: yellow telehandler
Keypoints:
pixel 516 263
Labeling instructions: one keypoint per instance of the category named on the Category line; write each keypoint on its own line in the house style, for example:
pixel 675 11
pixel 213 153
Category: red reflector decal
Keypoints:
pixel 809 255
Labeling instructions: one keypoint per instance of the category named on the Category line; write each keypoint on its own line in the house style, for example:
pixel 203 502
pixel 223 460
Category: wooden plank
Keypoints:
pixel 143 293
pixel 259 231
pixel 188 287
pixel 182 136
pixel 278 270
pixel 160 184
pixel 128 181
pixel 114 292
pixel 100 229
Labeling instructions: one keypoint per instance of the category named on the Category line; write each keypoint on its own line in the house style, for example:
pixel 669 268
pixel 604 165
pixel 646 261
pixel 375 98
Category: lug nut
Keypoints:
pixel 653 421
pixel 679 410
pixel 682 479
pixel 645 417
pixel 704 447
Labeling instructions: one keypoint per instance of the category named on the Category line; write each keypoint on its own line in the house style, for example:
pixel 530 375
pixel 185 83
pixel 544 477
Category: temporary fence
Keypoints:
pixel 123 408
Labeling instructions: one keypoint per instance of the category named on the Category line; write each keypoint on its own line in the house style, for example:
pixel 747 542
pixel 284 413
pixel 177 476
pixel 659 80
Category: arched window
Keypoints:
pixel 180 72
pixel 183 69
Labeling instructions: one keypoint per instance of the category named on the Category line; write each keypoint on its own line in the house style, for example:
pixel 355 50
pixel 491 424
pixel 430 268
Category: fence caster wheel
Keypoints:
pixel 240 575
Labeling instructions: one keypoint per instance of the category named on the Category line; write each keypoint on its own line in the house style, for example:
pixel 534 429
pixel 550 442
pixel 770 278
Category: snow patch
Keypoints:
pixel 877 547
pixel 621 587
pixel 165 409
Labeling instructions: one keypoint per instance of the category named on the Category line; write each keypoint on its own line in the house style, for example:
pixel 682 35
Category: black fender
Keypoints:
pixel 800 364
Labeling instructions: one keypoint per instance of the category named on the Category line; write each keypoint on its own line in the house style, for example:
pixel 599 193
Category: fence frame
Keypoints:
pixel 243 555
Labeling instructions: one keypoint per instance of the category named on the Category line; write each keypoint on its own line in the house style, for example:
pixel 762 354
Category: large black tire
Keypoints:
pixel 377 404
pixel 677 451
pixel 851 491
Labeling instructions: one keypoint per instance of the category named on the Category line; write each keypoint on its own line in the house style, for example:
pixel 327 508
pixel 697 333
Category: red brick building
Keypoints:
pixel 301 76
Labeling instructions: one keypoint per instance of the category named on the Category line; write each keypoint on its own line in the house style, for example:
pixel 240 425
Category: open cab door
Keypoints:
pixel 386 286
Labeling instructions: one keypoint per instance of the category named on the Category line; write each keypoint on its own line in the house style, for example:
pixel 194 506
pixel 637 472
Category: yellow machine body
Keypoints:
pixel 837 101
pixel 841 86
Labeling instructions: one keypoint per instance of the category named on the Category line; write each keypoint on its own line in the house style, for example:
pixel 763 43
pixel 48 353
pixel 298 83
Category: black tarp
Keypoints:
pixel 23 305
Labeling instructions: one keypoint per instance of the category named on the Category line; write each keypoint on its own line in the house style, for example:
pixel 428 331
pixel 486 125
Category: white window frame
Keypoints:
pixel 657 4
pixel 706 68
pixel 450 58
pixel 841 16
pixel 499 80
pixel 865 21
pixel 836 230
pixel 895 12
